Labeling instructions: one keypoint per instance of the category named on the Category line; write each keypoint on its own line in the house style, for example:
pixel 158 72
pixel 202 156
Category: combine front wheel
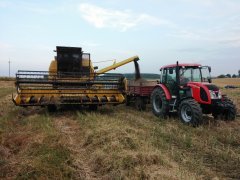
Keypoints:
pixel 93 107
pixel 52 108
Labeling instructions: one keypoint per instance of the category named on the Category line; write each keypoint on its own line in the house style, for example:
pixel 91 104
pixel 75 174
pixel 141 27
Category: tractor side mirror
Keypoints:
pixel 209 80
pixel 95 67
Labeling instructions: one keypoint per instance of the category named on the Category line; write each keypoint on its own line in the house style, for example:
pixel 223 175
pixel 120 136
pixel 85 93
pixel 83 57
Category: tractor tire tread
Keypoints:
pixel 165 104
pixel 231 114
pixel 197 112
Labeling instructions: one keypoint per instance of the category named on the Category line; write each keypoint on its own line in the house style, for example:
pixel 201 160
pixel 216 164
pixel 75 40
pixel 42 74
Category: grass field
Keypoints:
pixel 114 143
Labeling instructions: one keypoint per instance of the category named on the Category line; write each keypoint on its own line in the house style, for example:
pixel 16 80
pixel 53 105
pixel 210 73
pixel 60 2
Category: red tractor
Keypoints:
pixel 187 89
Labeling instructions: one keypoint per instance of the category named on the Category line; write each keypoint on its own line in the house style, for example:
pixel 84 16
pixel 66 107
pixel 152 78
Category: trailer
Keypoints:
pixel 138 92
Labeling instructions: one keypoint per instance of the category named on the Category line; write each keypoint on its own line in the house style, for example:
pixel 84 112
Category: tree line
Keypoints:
pixel 229 75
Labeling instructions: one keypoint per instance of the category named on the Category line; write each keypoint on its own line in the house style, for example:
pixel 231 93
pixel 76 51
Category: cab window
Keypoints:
pixel 168 75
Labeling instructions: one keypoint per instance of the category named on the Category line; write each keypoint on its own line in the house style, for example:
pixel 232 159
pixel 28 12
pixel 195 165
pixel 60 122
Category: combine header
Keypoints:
pixel 71 79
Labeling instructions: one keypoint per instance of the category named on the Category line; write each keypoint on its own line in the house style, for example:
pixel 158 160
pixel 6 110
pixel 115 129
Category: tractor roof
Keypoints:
pixel 181 65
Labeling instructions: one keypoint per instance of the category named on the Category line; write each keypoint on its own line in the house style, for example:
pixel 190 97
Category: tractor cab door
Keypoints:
pixel 168 78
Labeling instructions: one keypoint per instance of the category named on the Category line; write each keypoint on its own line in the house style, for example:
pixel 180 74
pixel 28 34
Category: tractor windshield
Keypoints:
pixel 206 77
pixel 194 74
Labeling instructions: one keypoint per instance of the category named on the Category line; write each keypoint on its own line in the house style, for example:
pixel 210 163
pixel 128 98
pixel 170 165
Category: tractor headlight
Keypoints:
pixel 215 94
pixel 219 94
pixel 212 94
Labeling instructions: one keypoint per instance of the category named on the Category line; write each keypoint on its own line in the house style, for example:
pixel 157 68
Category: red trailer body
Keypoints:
pixel 139 92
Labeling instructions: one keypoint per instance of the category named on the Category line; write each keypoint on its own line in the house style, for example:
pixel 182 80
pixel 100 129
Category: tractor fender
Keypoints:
pixel 165 89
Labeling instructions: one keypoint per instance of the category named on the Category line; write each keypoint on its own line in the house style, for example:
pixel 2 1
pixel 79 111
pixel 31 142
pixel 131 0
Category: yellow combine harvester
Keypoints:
pixel 71 79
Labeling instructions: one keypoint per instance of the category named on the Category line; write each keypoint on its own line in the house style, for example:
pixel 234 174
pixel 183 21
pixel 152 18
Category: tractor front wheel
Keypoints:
pixel 228 113
pixel 190 112
pixel 159 102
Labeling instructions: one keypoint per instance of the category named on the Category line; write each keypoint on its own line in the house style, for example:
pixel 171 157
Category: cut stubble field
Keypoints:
pixel 114 143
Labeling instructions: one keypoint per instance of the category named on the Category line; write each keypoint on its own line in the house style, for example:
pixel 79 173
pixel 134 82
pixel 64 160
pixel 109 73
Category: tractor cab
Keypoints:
pixel 187 73
pixel 187 89
pixel 177 77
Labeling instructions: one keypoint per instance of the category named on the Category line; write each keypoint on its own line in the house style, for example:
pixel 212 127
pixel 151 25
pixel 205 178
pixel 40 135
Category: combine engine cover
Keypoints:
pixel 73 82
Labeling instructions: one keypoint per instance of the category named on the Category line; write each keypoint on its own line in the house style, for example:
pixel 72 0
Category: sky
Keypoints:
pixel 160 32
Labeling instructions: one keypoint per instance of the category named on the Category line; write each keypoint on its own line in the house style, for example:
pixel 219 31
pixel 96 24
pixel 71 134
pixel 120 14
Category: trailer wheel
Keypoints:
pixel 140 104
pixel 159 102
pixel 128 99
pixel 190 112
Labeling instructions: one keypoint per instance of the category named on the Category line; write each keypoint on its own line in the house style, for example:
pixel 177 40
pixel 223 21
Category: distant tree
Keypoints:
pixel 234 76
pixel 239 73
pixel 221 76
pixel 228 75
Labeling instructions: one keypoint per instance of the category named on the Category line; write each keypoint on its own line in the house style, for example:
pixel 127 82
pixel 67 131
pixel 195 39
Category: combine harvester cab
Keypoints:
pixel 71 80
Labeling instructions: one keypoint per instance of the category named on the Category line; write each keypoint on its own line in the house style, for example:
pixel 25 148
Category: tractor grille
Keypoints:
pixel 203 95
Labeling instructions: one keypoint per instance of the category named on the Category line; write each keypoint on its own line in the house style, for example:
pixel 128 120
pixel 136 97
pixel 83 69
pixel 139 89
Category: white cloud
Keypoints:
pixel 122 20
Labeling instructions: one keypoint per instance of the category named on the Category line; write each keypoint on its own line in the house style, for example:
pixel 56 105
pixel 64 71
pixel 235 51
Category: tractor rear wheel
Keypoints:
pixel 190 112
pixel 159 102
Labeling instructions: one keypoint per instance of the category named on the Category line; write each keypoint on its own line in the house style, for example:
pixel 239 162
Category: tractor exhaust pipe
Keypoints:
pixel 178 80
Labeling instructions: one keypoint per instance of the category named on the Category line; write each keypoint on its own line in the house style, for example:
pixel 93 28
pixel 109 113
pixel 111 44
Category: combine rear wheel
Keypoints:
pixel 159 102
pixel 190 112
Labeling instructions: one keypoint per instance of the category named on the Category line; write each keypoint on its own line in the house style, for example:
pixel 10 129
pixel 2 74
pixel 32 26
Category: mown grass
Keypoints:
pixel 5 91
pixel 29 146
pixel 114 143
pixel 7 78
pixel 117 146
